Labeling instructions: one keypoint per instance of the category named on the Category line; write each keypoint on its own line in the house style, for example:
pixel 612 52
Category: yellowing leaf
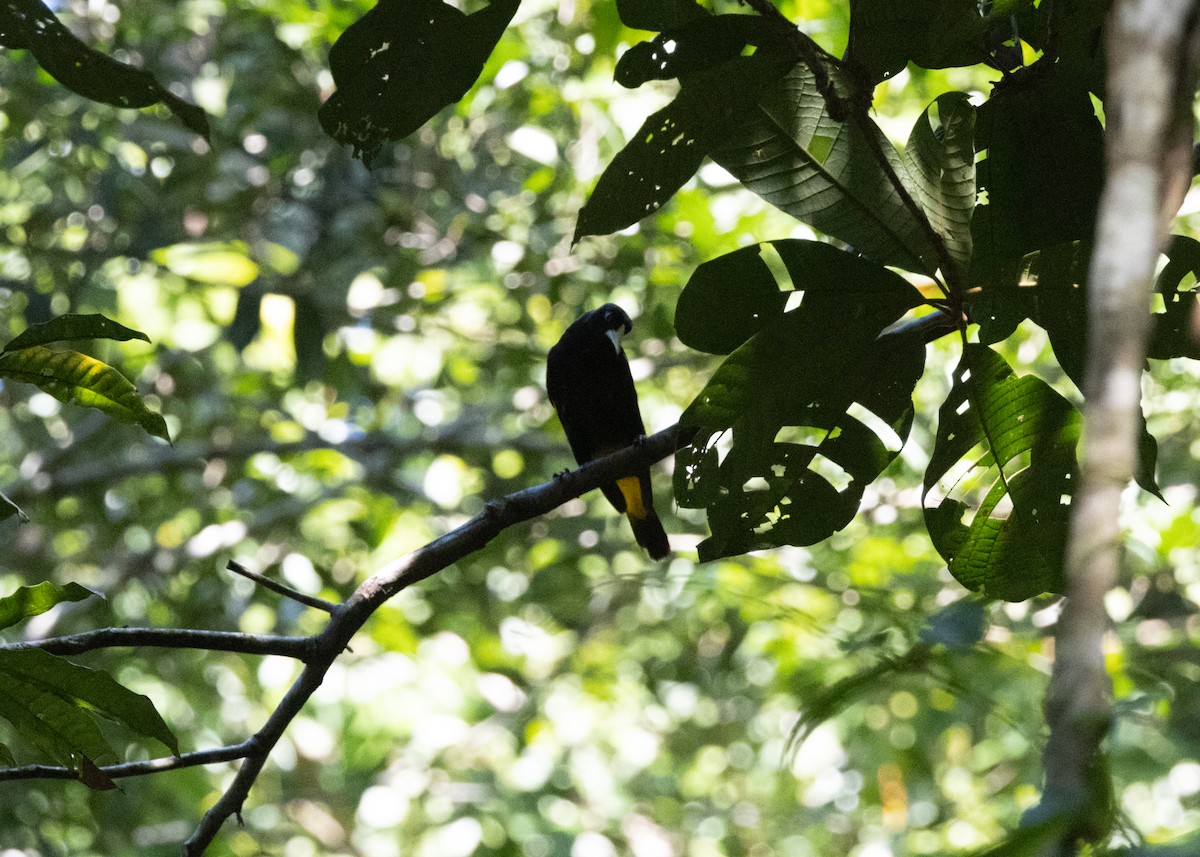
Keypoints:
pixel 78 379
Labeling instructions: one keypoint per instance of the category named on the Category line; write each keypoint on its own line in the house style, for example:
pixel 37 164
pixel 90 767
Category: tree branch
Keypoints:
pixel 172 638
pixel 135 769
pixel 276 586
pixel 422 563
pixel 1152 49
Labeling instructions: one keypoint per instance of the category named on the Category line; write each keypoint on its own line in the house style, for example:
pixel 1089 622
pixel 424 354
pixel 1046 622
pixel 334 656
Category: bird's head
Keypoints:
pixel 613 322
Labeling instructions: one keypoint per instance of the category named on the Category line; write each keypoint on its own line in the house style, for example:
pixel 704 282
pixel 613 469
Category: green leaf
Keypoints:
pixel 29 25
pixel 729 299
pixel 941 161
pixel 6 757
pixel 658 15
pixel 1058 302
pixel 401 63
pixel 803 416
pixel 1042 171
pixel 32 600
pixel 793 154
pixel 218 263
pixel 57 725
pixel 1004 470
pixel 671 144
pixel 78 379
pixel 886 34
pixel 67 327
pixel 700 44
pixel 1173 333
pixel 33 673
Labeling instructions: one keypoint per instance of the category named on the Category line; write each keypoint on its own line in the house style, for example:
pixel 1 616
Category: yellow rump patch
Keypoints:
pixel 631 487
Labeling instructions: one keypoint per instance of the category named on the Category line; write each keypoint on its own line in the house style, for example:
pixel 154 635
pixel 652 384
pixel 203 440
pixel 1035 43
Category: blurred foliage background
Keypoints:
pixel 351 363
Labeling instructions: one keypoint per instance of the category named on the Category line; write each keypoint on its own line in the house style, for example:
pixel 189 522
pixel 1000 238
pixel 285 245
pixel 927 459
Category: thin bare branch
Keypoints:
pixel 135 769
pixel 171 638
pixel 285 591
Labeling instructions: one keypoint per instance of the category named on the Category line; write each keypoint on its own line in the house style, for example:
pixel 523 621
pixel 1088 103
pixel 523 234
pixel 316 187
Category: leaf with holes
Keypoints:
pixel 1042 169
pixel 68 327
pixel 729 299
pixel 670 146
pixel 1173 332
pixel 52 703
pixel 401 63
pixel 78 379
pixel 695 46
pixel 1058 298
pixel 33 600
pixel 998 485
pixel 793 154
pixel 803 416
pixel 941 161
pixel 29 25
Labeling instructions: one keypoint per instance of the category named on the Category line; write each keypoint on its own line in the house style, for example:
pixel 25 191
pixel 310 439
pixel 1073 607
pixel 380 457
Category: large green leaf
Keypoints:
pixel 941 160
pixel 1173 333
pixel 658 15
pixel 886 34
pixel 58 726
pixel 1055 296
pixel 1042 171
pixel 76 378
pixel 670 146
pixel 793 154
pixel 729 299
pixel 697 45
pixel 401 63
pixel 998 485
pixel 51 701
pixel 33 600
pixel 804 415
pixel 29 25
pixel 68 327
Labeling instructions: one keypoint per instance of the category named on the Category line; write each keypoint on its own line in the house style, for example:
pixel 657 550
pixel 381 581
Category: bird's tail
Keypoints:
pixel 650 534
pixel 639 507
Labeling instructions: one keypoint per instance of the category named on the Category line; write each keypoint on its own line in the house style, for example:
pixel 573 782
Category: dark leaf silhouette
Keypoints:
pixel 658 15
pixel 401 63
pixel 694 46
pixel 29 25
pixel 886 34
pixel 807 412
pixel 67 327
pixel 669 148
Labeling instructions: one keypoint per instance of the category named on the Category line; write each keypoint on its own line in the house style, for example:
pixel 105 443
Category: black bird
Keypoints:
pixel 587 377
